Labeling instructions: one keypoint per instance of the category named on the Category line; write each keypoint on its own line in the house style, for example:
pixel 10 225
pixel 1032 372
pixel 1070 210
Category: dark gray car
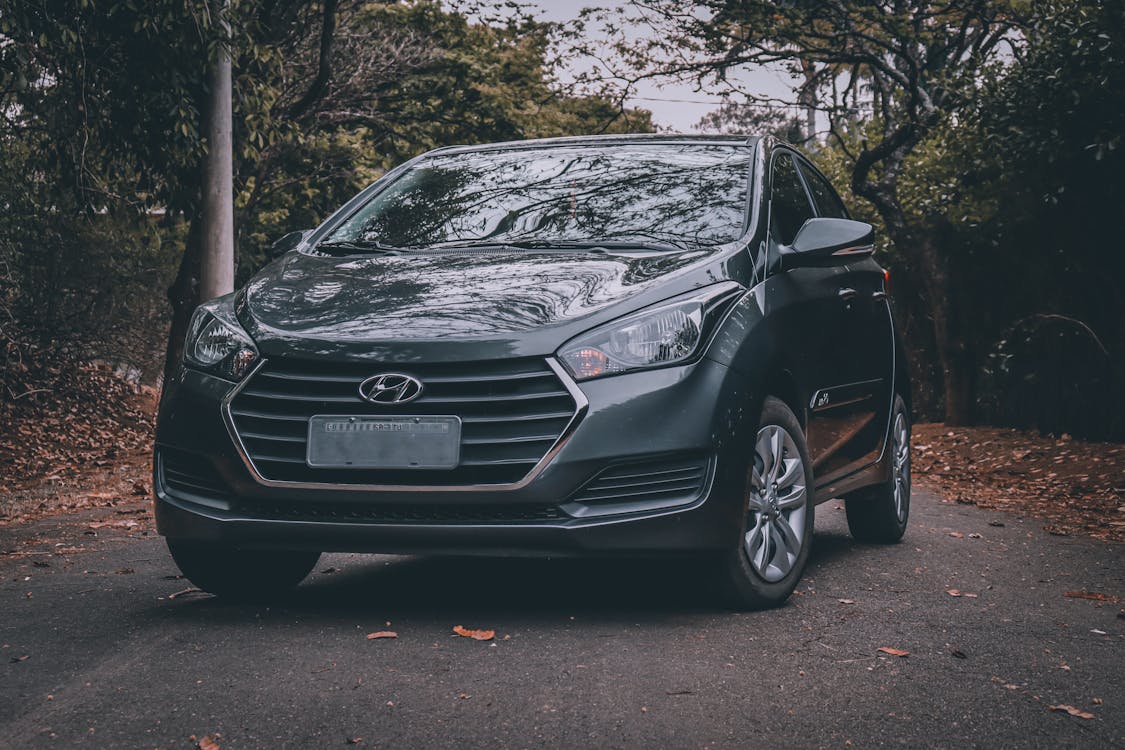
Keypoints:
pixel 582 346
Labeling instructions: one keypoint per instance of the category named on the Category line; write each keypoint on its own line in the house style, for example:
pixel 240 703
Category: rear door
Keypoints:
pixel 854 407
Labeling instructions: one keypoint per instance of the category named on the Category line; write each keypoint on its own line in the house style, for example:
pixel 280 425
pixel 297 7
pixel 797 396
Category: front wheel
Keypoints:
pixel 878 514
pixel 777 525
pixel 234 573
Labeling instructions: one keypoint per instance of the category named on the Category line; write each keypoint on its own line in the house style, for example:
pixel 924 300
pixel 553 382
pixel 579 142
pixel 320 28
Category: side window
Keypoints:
pixel 789 204
pixel 828 204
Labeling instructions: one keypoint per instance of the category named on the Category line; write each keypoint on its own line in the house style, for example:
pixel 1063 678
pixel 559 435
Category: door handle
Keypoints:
pixel 879 296
pixel 847 294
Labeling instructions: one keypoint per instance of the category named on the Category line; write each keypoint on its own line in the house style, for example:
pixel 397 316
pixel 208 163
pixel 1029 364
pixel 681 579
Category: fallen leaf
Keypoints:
pixel 208 744
pixel 464 696
pixel 124 571
pixel 846 601
pixel 330 571
pixel 999 524
pixel 382 634
pixel 955 592
pixel 975 536
pixel 476 635
pixel 1072 711
pixel 893 651
pixel 956 534
pixel 15 659
pixel 958 653
pixel 1094 596
pixel 185 592
pixel 354 740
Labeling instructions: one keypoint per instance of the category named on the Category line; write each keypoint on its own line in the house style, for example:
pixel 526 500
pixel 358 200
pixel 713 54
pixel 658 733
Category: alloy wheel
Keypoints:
pixel 777 503
pixel 901 466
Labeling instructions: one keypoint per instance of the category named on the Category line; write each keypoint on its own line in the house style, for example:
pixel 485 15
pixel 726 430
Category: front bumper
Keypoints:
pixel 697 413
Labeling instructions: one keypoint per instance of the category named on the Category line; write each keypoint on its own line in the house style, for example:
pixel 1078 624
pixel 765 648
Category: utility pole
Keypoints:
pixel 216 272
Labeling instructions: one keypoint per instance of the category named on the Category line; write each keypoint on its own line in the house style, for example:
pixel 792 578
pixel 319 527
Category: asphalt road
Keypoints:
pixel 587 654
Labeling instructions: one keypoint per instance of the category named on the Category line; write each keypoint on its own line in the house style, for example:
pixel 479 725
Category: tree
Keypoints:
pixel 911 64
pixel 106 104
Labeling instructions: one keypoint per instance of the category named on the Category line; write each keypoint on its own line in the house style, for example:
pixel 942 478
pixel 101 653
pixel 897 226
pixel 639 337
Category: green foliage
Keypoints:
pixel 1024 186
pixel 102 133
pixel 471 83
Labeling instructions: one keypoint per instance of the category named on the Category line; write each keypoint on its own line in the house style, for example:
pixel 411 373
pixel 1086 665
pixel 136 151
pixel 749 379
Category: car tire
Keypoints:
pixel 777 515
pixel 246 574
pixel 879 514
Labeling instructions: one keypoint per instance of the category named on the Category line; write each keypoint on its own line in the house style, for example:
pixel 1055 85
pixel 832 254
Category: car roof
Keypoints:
pixel 601 140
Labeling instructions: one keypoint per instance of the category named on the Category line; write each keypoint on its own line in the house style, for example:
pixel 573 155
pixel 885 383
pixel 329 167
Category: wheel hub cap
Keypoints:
pixel 777 504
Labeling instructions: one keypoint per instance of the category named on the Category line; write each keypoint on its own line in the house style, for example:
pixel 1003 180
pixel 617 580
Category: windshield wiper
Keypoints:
pixel 366 246
pixel 655 246
pixel 589 245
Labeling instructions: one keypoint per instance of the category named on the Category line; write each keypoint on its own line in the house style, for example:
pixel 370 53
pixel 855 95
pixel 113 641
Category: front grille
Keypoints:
pixel 646 482
pixel 189 475
pixel 512 412
pixel 414 514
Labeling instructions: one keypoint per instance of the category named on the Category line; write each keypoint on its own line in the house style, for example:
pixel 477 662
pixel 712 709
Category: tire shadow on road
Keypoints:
pixel 613 588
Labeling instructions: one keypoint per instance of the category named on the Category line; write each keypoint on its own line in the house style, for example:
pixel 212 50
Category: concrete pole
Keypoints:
pixel 216 273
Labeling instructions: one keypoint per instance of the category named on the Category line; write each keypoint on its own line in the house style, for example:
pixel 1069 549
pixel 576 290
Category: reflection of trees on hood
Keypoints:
pixel 691 194
pixel 443 296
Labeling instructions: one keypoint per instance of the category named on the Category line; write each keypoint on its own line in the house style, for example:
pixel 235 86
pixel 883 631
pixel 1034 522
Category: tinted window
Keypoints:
pixel 789 205
pixel 692 194
pixel 828 204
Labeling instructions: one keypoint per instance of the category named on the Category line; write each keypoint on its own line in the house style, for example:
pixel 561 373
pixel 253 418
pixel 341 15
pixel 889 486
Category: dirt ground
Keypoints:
pixel 82 440
pixel 1074 486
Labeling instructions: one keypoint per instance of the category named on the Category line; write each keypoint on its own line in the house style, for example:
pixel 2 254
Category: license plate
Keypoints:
pixel 402 442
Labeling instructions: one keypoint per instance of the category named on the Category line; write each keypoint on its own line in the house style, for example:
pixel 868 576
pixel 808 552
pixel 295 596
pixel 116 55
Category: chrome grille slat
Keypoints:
pixel 512 411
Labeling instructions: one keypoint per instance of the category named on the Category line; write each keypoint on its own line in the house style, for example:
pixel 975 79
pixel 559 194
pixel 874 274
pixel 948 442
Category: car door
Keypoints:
pixel 812 324
pixel 857 405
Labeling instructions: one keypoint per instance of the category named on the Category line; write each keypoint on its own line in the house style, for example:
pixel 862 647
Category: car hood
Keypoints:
pixel 448 306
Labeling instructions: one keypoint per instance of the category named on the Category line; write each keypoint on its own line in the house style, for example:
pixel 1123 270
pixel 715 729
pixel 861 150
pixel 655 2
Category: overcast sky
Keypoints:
pixel 675 107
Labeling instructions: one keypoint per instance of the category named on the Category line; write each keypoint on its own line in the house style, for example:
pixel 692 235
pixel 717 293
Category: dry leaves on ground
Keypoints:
pixel 382 634
pixel 1074 485
pixel 55 434
pixel 476 635
pixel 894 651
pixel 1093 596
pixel 1073 711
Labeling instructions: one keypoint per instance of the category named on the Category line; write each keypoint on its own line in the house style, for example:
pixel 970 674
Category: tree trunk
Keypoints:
pixel 930 248
pixel 207 266
pixel 806 97
pixel 217 250
pixel 183 295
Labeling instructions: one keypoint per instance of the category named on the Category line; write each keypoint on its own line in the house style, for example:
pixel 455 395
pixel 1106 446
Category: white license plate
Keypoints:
pixel 402 442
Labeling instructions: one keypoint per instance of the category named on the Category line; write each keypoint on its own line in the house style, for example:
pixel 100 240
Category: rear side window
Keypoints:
pixel 828 204
pixel 789 204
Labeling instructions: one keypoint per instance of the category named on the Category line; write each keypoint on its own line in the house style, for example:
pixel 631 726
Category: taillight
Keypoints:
pixel 887 282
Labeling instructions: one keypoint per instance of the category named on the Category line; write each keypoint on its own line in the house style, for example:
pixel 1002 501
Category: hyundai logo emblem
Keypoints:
pixel 390 388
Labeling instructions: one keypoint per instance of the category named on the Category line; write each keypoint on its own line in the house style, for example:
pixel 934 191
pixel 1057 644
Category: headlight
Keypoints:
pixel 666 334
pixel 217 344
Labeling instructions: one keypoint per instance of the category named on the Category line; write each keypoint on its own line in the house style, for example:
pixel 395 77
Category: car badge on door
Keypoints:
pixel 390 388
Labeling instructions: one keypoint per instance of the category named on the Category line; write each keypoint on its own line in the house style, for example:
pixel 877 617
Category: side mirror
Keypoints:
pixel 826 241
pixel 288 242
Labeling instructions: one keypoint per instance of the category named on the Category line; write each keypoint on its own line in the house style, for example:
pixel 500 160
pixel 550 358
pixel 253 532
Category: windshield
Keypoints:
pixel 679 194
